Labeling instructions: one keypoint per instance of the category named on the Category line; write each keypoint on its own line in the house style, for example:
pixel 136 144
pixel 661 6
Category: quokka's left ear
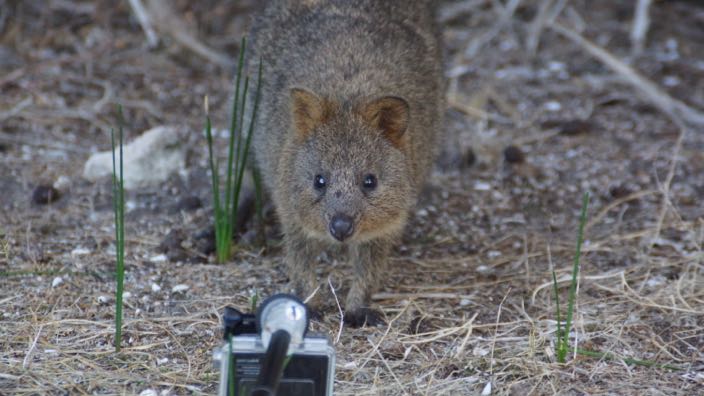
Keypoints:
pixel 389 114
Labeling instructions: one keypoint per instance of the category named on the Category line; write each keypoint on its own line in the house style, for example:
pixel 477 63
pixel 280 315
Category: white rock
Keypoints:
pixel 103 300
pixel 349 365
pixel 482 186
pixel 79 251
pixel 62 183
pixel 553 106
pixel 487 389
pixel 161 361
pixel 156 288
pixel 126 295
pixel 149 159
pixel 149 392
pixel 158 258
pixel 57 281
pixel 179 288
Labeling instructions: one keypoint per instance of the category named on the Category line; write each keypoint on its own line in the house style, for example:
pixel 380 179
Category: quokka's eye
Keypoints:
pixel 319 182
pixel 370 182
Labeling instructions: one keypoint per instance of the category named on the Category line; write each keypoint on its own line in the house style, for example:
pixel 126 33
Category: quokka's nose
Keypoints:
pixel 341 226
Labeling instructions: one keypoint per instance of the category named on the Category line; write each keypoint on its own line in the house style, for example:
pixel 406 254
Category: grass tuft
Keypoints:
pixel 225 208
pixel 118 194
pixel 564 333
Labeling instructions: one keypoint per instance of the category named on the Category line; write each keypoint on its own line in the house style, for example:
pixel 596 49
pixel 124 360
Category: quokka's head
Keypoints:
pixel 344 175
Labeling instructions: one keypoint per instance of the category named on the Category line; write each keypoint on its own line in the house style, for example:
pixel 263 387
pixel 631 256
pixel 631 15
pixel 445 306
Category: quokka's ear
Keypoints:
pixel 389 114
pixel 308 111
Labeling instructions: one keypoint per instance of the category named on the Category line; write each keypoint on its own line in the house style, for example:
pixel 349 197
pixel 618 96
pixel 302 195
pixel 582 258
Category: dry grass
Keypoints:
pixel 468 300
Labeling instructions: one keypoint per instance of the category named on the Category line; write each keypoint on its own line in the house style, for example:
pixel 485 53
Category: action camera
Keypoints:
pixel 271 352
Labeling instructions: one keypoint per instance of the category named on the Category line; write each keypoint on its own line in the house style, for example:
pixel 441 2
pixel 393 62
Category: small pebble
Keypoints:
pixel 188 204
pixel 469 158
pixel 482 186
pixel 57 281
pixel 102 300
pixel 62 183
pixel 514 155
pixel 149 392
pixel 179 288
pixel 126 295
pixel 44 195
pixel 553 106
pixel 575 127
pixel 156 288
pixel 79 251
pixel 159 258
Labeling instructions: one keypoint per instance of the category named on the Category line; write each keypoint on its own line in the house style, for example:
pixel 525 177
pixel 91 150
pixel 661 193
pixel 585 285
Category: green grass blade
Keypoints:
pixel 575 269
pixel 559 346
pixel 232 150
pixel 631 361
pixel 250 131
pixel 215 179
pixel 119 209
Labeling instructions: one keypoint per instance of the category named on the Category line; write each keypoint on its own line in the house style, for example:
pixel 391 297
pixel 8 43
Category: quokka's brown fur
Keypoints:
pixel 353 95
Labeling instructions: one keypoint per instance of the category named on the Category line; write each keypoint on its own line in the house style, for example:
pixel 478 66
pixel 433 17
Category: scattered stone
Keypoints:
pixel 205 241
pixel 103 300
pixel 514 155
pixel 570 127
pixel 79 251
pixel 159 258
pixel 469 157
pixel 576 127
pixel 149 159
pixel 482 186
pixel 57 281
pixel 156 288
pixel 179 288
pixel 44 195
pixel 172 245
pixel 188 204
pixel 62 183
pixel 487 389
pixel 619 191
pixel 553 106
pixel 149 392
pixel 126 295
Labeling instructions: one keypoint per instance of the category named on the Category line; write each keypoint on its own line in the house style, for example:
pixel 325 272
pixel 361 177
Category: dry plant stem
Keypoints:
pixel 665 189
pixel 145 22
pixel 641 23
pixel 165 19
pixel 659 98
pixel 339 309
pixel 536 27
pixel 451 11
pixel 482 40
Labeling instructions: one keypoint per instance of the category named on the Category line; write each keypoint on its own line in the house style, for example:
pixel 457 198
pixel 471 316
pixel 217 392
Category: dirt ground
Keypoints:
pixel 468 299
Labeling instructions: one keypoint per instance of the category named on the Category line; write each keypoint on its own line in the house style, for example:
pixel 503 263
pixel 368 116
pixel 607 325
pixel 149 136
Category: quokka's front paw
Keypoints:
pixel 361 316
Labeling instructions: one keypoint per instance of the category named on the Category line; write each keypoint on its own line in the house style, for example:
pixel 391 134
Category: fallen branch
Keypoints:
pixel 167 21
pixel 676 109
pixel 145 22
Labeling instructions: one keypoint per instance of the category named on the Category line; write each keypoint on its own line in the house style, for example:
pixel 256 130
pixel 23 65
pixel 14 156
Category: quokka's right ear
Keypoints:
pixel 308 111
